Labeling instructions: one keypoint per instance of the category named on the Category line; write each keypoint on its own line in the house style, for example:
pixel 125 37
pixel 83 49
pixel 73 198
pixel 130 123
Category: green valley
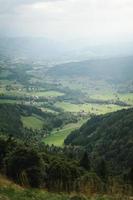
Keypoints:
pixel 66 128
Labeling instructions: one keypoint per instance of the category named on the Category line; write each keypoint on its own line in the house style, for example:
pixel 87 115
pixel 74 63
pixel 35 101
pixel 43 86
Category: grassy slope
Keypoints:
pixel 57 137
pixel 11 191
pixel 32 122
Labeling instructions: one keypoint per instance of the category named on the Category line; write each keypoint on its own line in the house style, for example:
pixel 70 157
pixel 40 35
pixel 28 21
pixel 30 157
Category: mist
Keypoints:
pixel 91 22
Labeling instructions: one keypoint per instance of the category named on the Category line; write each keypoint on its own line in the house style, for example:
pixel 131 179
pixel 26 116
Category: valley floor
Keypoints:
pixel 57 137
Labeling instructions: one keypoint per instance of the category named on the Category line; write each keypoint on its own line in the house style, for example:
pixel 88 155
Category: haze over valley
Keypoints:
pixel 66 100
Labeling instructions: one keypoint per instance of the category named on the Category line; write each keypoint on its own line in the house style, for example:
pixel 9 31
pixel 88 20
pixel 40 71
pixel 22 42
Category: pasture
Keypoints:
pixel 57 137
pixel 32 122
pixel 46 94
pixel 88 107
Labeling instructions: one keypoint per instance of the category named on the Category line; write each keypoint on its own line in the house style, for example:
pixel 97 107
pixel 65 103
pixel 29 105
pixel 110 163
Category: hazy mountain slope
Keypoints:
pixel 112 69
pixel 108 136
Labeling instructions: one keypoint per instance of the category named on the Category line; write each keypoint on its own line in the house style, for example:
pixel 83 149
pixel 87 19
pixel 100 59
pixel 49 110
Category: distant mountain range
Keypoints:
pixel 45 48
pixel 111 69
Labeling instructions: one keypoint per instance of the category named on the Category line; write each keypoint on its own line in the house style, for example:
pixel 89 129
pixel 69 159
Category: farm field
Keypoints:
pixel 4 73
pixel 47 110
pixel 15 92
pixel 47 94
pixel 88 108
pixel 104 96
pixel 125 97
pixel 32 122
pixel 9 101
pixel 57 137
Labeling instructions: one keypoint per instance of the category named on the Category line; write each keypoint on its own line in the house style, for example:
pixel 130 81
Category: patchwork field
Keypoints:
pixel 31 85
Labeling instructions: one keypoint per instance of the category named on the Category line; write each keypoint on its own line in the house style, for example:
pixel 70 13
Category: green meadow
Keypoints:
pixel 125 97
pixel 9 101
pixel 57 137
pixel 47 94
pixel 32 122
pixel 88 108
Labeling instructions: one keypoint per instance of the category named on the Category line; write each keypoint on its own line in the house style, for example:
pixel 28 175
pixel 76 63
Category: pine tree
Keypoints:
pixel 85 161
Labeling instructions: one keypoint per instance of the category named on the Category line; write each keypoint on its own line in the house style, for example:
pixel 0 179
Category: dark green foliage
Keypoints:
pixel 78 198
pixel 25 166
pixel 3 150
pixel 107 139
pixel 85 162
pixel 30 166
pixel 108 136
pixel 10 119
pixel 101 169
pixel 62 175
pixel 90 183
pixel 130 176
pixel 42 166
pixel 11 124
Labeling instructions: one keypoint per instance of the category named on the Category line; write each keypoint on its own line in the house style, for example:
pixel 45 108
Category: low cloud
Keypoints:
pixel 7 6
pixel 67 19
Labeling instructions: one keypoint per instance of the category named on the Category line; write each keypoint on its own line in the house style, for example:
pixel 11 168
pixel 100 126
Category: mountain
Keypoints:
pixel 108 136
pixel 117 69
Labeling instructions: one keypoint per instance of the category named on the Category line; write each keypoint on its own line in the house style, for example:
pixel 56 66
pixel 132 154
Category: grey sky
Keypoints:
pixel 68 19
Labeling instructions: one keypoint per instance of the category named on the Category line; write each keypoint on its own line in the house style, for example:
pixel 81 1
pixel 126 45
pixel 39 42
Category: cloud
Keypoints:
pixel 7 6
pixel 67 19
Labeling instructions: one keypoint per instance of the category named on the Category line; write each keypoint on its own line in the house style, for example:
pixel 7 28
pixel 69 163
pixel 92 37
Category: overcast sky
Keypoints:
pixel 94 20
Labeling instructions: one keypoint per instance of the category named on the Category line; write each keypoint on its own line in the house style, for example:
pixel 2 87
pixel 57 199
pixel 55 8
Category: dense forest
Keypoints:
pixel 86 169
pixel 110 137
pixel 40 166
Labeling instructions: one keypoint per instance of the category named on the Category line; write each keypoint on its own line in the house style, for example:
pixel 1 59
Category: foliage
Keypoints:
pixel 110 137
pixel 13 119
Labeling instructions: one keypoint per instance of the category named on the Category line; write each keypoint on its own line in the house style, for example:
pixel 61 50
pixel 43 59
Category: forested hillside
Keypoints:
pixel 23 121
pixel 25 159
pixel 110 137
